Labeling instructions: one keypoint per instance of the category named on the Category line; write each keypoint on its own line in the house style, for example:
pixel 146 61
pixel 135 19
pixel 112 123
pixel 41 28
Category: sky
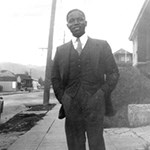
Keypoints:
pixel 25 24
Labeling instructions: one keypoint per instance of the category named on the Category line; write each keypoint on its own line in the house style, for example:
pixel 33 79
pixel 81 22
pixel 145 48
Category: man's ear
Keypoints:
pixel 67 26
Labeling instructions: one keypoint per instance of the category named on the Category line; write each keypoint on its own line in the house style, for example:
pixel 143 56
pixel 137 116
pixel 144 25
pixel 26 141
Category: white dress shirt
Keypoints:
pixel 83 40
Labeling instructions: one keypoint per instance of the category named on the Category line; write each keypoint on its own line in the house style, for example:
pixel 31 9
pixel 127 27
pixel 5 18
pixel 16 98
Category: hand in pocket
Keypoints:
pixel 66 101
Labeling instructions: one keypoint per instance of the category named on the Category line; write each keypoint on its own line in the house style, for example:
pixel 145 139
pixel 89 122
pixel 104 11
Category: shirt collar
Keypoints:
pixel 83 40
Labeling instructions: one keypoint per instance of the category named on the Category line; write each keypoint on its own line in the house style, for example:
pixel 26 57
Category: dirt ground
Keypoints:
pixel 18 125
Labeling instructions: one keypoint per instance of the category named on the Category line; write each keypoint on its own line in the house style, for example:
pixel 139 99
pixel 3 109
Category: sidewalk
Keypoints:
pixel 49 134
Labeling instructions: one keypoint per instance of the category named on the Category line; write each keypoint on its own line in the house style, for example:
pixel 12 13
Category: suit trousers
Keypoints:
pixel 85 121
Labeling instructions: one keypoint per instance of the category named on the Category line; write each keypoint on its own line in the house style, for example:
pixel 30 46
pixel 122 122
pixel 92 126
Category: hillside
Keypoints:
pixel 35 71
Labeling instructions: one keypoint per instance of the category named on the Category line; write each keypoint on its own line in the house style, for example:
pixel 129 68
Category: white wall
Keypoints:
pixel 135 50
pixel 8 85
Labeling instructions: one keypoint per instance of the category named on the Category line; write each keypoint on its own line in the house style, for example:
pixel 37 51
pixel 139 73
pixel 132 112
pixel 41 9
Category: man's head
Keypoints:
pixel 76 22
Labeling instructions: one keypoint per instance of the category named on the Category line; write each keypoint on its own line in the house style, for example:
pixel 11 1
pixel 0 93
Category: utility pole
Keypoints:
pixel 49 54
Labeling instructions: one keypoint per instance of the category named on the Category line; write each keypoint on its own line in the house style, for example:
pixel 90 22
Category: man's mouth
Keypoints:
pixel 76 28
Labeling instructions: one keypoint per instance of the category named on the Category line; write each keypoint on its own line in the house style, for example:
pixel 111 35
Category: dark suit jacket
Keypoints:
pixel 103 64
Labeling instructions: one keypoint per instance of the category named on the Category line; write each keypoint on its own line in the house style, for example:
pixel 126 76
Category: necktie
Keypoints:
pixel 79 46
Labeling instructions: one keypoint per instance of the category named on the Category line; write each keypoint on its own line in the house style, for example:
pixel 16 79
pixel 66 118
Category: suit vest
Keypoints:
pixel 81 73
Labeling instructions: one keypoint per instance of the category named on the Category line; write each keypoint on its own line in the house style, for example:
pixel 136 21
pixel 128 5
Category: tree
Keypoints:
pixel 26 73
pixel 41 81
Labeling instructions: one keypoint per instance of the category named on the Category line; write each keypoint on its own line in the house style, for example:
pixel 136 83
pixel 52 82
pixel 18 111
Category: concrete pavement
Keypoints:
pixel 49 134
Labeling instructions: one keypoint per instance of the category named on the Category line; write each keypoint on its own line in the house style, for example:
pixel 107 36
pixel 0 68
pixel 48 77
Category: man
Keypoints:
pixel 84 74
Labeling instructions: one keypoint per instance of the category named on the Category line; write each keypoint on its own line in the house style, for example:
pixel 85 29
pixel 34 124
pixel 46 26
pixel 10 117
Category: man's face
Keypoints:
pixel 76 23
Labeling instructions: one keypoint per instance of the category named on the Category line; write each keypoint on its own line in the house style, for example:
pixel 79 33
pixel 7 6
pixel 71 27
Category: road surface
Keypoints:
pixel 15 103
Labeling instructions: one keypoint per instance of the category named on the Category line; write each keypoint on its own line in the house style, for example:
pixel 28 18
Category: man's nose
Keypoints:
pixel 76 21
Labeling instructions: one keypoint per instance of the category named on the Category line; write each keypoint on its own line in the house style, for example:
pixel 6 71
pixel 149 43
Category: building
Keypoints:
pixel 123 56
pixel 140 36
pixel 24 81
pixel 8 81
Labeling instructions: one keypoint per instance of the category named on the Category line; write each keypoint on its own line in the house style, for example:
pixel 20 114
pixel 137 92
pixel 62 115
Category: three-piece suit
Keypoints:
pixel 83 85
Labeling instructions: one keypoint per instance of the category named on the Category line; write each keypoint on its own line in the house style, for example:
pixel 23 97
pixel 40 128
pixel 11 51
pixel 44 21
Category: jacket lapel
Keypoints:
pixel 66 61
pixel 94 51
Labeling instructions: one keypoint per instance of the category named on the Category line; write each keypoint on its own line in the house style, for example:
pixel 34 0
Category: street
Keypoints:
pixel 15 103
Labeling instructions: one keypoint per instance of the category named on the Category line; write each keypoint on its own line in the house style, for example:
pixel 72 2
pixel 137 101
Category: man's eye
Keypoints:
pixel 80 19
pixel 71 20
pixel 76 20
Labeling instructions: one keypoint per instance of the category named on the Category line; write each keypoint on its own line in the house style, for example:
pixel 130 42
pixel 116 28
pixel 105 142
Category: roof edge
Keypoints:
pixel 138 19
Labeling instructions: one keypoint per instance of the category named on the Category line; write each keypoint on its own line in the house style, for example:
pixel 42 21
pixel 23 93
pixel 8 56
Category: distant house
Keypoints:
pixel 25 80
pixel 8 81
pixel 140 36
pixel 123 56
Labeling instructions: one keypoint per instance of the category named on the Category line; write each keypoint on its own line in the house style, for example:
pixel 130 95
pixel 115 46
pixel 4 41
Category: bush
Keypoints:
pixel 132 88
pixel 123 64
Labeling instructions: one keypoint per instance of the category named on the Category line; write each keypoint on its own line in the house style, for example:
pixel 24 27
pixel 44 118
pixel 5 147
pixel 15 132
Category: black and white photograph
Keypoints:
pixel 75 75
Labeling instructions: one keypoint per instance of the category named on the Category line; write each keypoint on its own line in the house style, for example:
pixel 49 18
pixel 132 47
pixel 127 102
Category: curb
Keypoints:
pixel 34 137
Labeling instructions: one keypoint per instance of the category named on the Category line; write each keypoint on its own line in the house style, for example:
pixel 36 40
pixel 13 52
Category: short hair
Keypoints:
pixel 73 11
